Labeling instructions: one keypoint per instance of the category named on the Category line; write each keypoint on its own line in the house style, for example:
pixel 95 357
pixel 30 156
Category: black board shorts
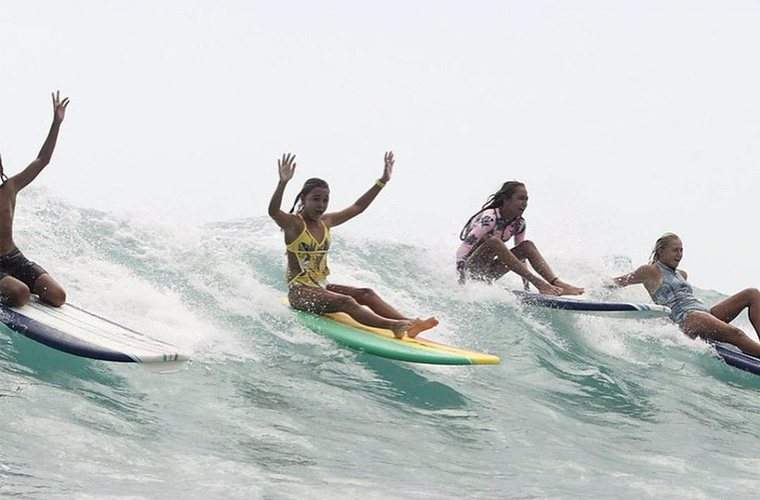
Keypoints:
pixel 15 264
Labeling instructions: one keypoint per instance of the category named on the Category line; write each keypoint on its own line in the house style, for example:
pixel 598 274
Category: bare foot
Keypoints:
pixel 420 325
pixel 401 327
pixel 548 289
pixel 568 289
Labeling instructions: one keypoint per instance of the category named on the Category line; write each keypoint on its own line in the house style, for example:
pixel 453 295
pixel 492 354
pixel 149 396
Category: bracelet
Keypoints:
pixel 554 280
pixel 379 184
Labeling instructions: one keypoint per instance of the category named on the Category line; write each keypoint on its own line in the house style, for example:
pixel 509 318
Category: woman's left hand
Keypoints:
pixel 59 106
pixel 388 169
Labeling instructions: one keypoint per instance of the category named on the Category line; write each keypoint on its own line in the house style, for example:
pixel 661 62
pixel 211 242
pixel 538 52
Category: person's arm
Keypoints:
pixel 336 218
pixel 286 167
pixel 644 275
pixel 23 178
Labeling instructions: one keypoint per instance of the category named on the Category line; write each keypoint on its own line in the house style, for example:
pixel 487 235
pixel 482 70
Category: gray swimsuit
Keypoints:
pixel 676 293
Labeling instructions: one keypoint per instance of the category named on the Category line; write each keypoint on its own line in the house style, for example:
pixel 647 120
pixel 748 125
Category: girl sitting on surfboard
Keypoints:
pixel 483 254
pixel 307 240
pixel 667 286
pixel 19 276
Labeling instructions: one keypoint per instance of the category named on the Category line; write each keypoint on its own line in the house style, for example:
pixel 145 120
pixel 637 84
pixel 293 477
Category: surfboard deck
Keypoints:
pixel 380 342
pixel 594 307
pixel 73 330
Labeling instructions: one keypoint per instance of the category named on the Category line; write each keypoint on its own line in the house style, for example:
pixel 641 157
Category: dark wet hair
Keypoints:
pixel 3 177
pixel 307 188
pixel 494 201
pixel 661 243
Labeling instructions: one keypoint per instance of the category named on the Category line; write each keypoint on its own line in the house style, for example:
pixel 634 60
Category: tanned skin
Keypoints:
pixel 13 291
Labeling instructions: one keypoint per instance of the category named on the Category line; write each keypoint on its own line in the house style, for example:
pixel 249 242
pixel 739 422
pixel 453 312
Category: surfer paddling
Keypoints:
pixel 18 275
pixel 483 254
pixel 307 240
pixel 667 286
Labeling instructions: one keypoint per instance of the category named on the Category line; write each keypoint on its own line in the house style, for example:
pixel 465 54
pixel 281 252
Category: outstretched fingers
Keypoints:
pixel 388 167
pixel 286 166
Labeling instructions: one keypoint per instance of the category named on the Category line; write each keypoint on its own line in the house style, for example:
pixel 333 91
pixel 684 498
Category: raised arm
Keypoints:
pixel 286 167
pixel 336 218
pixel 23 178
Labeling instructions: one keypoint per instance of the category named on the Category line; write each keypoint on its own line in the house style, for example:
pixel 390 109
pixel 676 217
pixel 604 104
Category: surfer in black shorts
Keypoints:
pixel 18 275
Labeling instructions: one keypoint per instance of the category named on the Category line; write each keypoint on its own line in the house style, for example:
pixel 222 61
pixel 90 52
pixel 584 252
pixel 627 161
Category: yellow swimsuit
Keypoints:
pixel 308 264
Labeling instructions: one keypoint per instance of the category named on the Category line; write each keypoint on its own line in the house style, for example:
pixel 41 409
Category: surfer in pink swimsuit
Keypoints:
pixel 483 254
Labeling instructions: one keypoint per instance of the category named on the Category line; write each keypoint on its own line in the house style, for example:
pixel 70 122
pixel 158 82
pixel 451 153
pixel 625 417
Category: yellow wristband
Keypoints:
pixel 379 183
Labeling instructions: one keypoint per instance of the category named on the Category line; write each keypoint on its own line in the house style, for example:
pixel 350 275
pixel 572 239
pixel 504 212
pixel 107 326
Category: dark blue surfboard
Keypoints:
pixel 593 307
pixel 732 356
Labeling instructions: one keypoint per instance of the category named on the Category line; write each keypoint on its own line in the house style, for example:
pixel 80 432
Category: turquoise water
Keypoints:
pixel 579 407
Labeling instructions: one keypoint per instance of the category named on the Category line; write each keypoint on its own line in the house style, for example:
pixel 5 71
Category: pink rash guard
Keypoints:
pixel 487 224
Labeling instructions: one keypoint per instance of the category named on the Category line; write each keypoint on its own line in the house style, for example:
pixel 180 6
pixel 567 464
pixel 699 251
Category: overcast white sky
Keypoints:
pixel 625 119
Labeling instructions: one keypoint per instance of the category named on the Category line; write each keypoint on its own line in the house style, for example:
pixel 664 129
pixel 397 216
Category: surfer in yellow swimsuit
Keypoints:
pixel 307 239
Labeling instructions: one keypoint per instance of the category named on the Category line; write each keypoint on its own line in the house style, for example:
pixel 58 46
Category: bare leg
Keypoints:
pixel 485 264
pixel 319 300
pixel 727 310
pixel 709 327
pixel 368 297
pixel 493 259
pixel 14 292
pixel 528 250
pixel 49 290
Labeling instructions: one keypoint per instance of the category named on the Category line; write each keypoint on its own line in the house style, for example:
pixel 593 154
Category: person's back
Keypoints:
pixel 18 275
pixel 7 211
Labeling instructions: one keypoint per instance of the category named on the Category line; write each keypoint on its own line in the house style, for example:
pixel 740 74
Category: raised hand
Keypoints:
pixel 286 167
pixel 388 169
pixel 59 107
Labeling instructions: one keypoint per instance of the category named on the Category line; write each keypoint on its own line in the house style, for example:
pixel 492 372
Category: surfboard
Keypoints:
pixel 73 330
pixel 594 307
pixel 736 358
pixel 380 342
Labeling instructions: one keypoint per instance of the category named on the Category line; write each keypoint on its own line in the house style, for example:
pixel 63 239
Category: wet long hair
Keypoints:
pixel 307 188
pixel 496 200
pixel 3 177
pixel 661 243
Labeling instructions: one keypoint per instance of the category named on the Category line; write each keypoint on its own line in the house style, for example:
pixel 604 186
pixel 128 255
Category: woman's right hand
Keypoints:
pixel 287 167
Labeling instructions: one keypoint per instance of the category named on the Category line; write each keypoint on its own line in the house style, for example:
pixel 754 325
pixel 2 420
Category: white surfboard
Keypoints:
pixel 73 330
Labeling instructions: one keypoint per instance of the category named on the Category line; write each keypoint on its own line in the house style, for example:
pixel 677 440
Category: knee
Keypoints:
pixel 347 303
pixel 752 294
pixel 494 242
pixel 365 295
pixel 527 245
pixel 56 298
pixel 50 293
pixel 17 295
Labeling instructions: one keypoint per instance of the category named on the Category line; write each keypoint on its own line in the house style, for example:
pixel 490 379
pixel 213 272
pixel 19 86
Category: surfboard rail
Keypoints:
pixel 380 342
pixel 733 356
pixel 593 307
pixel 76 331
